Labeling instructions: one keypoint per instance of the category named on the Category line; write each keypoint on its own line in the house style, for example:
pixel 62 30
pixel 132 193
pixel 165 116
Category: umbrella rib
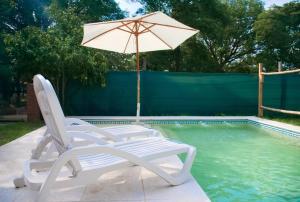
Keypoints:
pixel 138 24
pixel 131 29
pixel 105 32
pixel 146 29
pixel 128 39
pixel 127 43
pixel 157 37
pixel 172 26
pixel 124 30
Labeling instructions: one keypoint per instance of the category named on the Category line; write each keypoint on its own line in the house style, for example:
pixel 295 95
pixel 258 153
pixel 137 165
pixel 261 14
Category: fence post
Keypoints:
pixel 282 87
pixel 260 90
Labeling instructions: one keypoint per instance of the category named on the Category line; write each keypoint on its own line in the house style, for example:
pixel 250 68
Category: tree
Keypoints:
pixel 278 35
pixel 56 52
pixel 226 31
pixel 14 16
pixel 92 10
pixel 233 39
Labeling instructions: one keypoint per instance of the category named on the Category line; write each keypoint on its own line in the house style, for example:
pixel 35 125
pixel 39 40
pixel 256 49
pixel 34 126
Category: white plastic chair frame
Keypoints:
pixel 137 152
pixel 85 177
pixel 77 126
pixel 101 158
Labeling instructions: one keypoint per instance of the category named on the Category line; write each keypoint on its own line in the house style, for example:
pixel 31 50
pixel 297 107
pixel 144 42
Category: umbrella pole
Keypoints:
pixel 138 78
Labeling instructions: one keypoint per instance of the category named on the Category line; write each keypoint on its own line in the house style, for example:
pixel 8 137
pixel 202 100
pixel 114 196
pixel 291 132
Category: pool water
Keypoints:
pixel 241 162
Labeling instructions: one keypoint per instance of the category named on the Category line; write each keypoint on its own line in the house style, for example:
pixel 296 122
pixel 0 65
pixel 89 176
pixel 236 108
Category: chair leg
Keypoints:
pixel 43 194
pixel 189 160
pixel 182 176
pixel 178 179
pixel 51 179
pixel 46 187
pixel 50 151
pixel 36 154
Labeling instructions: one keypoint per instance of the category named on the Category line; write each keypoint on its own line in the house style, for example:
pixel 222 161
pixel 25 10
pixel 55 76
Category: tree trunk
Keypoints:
pixel 63 85
pixel 18 91
pixel 177 58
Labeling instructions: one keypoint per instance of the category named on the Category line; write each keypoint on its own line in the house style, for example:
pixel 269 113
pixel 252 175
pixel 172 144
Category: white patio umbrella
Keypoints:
pixel 150 32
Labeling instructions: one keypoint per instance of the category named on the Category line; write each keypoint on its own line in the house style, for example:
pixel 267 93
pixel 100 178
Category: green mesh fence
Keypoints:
pixel 282 91
pixel 166 93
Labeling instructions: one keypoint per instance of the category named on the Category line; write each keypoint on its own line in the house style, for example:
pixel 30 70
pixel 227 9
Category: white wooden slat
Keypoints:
pixel 139 148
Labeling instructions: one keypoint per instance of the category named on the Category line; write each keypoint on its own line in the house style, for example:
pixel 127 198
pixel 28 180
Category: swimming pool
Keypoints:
pixel 238 158
pixel 238 161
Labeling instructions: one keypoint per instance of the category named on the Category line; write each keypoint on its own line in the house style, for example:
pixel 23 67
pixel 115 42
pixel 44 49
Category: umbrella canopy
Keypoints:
pixel 156 31
pixel 150 32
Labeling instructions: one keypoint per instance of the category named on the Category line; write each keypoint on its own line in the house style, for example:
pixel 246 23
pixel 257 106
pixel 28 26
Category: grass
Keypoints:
pixel 293 121
pixel 290 119
pixel 11 131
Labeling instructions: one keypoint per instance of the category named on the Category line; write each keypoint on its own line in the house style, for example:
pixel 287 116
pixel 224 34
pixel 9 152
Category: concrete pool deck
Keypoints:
pixel 133 184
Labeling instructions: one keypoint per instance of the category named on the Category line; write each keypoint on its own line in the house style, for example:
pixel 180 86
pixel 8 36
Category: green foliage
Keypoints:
pixel 6 10
pixel 17 14
pixel 14 16
pixel 226 32
pixel 56 52
pixel 278 35
pixel 92 10
pixel 44 37
pixel 6 85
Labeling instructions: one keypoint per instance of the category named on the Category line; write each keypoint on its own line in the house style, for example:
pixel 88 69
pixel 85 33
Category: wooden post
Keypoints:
pixel 138 106
pixel 260 90
pixel 283 87
pixel 279 66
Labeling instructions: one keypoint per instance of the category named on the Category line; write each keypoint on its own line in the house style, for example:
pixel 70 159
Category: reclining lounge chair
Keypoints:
pixel 82 128
pixel 81 165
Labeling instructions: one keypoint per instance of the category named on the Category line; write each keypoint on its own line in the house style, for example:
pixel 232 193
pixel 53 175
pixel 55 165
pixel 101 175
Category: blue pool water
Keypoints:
pixel 241 162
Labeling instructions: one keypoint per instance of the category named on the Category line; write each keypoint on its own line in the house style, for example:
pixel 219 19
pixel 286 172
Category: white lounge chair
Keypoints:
pixel 115 133
pixel 79 166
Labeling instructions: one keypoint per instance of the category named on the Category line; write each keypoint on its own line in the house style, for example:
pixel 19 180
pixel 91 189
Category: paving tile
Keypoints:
pixel 124 184
pixel 66 195
pixel 133 184
pixel 7 194
pixel 157 189
pixel 114 201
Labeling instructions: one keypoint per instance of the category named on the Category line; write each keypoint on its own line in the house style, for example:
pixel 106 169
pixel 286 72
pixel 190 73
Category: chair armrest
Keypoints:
pixel 94 139
pixel 93 129
pixel 70 121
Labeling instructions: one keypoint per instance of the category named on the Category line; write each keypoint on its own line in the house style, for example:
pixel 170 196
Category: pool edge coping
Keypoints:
pixel 284 128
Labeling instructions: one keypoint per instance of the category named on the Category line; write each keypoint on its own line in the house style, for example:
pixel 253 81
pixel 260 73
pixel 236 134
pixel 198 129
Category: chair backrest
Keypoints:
pixel 53 117
pixel 38 87
pixel 55 100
